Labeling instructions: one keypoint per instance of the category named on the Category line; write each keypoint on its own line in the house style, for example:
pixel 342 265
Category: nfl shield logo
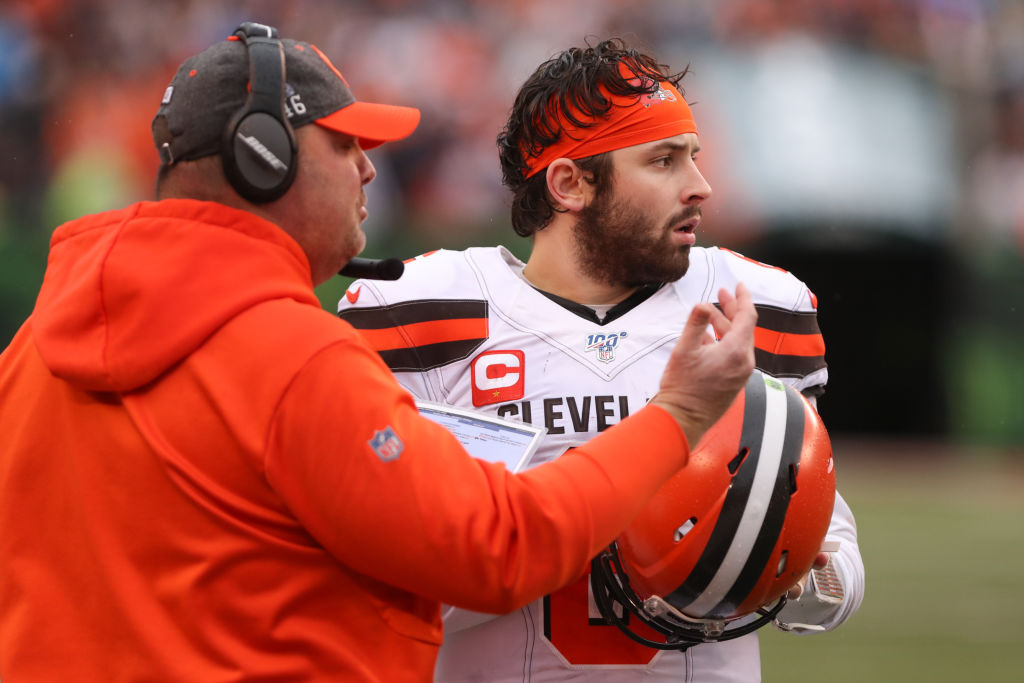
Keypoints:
pixel 604 345
pixel 386 444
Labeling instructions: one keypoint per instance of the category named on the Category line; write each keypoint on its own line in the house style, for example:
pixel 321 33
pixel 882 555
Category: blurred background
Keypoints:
pixel 875 148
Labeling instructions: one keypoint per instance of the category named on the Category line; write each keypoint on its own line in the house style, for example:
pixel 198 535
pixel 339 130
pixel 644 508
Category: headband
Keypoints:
pixel 632 120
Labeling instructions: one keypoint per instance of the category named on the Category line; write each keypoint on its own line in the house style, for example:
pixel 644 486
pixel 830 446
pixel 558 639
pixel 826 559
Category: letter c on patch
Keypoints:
pixel 498 376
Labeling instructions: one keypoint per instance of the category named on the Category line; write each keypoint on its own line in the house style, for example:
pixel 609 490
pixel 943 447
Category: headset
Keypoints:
pixel 258 148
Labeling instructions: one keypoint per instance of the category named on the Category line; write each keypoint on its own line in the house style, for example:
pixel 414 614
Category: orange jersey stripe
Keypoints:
pixel 788 344
pixel 421 334
pixel 755 262
pixel 423 255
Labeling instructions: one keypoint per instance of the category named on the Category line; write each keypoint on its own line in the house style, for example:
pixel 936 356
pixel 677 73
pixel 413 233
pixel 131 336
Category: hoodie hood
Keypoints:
pixel 127 294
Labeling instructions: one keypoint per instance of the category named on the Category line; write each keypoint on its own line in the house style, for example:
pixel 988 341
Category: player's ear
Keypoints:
pixel 567 185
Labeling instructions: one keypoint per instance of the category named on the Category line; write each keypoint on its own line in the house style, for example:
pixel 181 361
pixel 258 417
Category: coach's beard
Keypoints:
pixel 615 244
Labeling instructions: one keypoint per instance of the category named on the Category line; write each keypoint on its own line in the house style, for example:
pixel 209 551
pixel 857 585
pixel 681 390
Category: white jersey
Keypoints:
pixel 464 328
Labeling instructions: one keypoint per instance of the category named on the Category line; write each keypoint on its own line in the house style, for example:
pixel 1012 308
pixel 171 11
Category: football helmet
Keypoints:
pixel 713 554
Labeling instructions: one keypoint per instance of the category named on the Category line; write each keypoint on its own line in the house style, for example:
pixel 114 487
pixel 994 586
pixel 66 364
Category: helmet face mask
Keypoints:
pixel 617 602
pixel 713 554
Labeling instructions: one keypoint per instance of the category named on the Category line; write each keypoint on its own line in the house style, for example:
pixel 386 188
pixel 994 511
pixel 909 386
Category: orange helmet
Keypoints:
pixel 731 533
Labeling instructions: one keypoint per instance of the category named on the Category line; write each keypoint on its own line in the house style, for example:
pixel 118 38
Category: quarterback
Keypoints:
pixel 600 154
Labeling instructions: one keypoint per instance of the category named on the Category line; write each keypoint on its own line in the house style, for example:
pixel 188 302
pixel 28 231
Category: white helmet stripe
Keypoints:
pixel 731 513
pixel 775 519
pixel 765 476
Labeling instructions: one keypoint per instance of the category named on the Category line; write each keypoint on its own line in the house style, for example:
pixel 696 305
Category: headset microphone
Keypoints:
pixel 373 269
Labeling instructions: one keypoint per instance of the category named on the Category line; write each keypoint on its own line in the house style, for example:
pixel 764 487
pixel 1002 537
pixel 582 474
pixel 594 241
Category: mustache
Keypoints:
pixel 685 215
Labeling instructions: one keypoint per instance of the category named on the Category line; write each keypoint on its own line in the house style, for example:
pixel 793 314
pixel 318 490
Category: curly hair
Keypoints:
pixel 563 88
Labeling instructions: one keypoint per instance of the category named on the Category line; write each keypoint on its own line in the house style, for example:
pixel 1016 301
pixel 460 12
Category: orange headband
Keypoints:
pixel 632 120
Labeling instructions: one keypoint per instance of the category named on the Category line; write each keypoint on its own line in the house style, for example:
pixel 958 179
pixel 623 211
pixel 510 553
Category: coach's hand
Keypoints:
pixel 703 376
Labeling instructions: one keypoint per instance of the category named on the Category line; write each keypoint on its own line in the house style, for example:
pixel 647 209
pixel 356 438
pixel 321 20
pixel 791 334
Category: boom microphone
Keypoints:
pixel 373 269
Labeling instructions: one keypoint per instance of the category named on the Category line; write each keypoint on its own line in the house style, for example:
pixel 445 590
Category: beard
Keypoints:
pixel 617 244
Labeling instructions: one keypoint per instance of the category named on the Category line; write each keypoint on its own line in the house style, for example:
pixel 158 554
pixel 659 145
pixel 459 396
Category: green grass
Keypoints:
pixel 943 544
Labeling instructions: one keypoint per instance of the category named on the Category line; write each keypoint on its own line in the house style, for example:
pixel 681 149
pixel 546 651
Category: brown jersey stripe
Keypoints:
pixel 412 312
pixel 420 358
pixel 789 322
pixel 782 320
pixel 423 334
pixel 778 365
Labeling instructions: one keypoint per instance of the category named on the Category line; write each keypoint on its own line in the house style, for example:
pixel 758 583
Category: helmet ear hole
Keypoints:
pixel 783 560
pixel 793 467
pixel 684 528
pixel 735 463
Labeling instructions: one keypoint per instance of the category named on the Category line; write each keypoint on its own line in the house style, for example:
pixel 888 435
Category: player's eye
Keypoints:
pixel 344 142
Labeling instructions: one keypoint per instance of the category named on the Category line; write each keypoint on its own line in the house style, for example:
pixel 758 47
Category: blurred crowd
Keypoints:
pixel 81 77
pixel 906 114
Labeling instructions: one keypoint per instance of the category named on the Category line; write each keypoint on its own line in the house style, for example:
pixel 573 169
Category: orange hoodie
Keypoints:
pixel 191 488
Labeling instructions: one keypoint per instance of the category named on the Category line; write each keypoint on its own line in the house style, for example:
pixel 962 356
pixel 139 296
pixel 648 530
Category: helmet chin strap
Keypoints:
pixel 612 589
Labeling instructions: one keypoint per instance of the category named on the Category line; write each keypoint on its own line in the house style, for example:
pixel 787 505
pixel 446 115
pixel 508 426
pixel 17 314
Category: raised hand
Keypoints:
pixel 703 375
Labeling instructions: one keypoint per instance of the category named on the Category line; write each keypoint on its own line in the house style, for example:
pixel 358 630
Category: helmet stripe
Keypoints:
pixel 756 504
pixel 735 503
pixel 775 517
pixel 753 513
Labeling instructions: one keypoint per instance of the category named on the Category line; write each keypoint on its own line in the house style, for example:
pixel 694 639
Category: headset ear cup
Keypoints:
pixel 258 150
pixel 259 155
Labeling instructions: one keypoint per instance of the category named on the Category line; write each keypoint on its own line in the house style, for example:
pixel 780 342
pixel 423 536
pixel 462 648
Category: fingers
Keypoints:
pixel 742 317
pixel 727 301
pixel 720 323
pixel 744 314
pixel 702 377
pixel 798 588
pixel 820 560
pixel 695 331
pixel 739 307
pixel 739 337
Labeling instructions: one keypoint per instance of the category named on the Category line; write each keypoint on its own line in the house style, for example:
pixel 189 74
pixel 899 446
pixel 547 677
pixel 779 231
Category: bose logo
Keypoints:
pixel 263 153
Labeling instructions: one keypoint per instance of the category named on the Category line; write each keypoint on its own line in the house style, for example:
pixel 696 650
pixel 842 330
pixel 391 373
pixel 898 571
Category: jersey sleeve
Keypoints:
pixel 416 334
pixel 394 496
pixel 788 343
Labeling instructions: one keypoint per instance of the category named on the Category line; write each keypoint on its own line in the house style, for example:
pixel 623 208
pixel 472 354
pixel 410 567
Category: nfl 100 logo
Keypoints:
pixel 604 345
